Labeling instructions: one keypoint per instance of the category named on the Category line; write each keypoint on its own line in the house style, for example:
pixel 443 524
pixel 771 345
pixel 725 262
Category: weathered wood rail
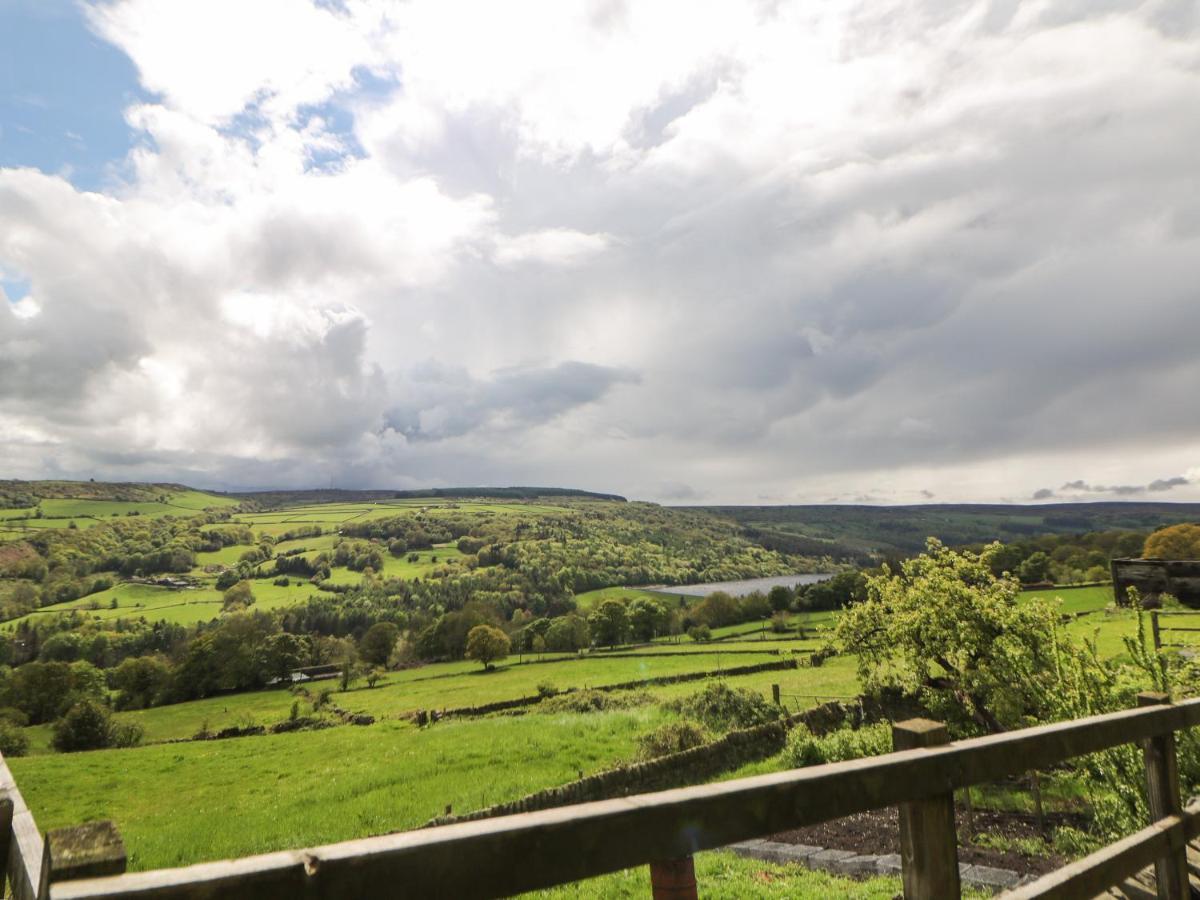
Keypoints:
pixel 511 854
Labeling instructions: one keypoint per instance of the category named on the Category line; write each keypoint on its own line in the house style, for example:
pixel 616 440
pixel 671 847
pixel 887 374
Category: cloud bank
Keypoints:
pixel 741 251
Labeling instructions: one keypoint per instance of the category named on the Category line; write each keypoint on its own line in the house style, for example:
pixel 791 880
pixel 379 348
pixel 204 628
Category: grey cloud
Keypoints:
pixel 1043 494
pixel 436 402
pixel 1166 484
pixel 1125 490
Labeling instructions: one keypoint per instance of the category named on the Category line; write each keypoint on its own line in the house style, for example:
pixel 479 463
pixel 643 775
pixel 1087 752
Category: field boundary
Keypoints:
pixel 484 709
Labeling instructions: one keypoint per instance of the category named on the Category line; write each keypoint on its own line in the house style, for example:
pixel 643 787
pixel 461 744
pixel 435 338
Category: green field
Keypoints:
pixel 59 513
pixel 179 607
pixel 253 795
pixel 1076 599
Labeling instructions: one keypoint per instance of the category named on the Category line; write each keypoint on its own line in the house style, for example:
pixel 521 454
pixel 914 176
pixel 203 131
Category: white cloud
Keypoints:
pixel 555 247
pixel 725 250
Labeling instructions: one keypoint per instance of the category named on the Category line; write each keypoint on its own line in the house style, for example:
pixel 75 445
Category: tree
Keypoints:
pixel 717 609
pixel 567 633
pixel 647 618
pixel 1035 568
pixel 486 644
pixel 780 598
pixel 1176 542
pixel 610 623
pixel 947 628
pixel 88 725
pixel 376 645
pixel 140 681
pixel 237 597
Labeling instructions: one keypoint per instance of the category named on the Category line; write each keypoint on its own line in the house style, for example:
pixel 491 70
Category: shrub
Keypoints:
pixel 673 737
pixel 723 708
pixel 13 741
pixel 89 726
pixel 594 701
pixel 700 633
pixel 282 581
pixel 806 749
pixel 546 689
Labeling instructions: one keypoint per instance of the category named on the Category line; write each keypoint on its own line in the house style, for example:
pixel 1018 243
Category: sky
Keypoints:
pixel 729 252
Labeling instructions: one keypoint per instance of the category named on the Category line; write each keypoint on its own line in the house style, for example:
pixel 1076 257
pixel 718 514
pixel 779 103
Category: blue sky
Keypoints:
pixel 63 92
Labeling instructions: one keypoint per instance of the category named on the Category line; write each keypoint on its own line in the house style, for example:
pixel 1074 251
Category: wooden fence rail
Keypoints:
pixel 511 854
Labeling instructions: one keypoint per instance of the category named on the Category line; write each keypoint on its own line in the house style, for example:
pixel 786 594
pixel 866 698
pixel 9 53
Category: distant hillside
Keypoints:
pixel 16 494
pixel 337 495
pixel 873 531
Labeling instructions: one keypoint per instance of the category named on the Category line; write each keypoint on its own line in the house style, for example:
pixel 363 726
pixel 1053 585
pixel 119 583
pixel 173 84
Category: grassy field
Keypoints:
pixel 448 685
pixel 724 876
pixel 589 599
pixel 179 607
pixel 59 513
pixel 1076 599
pixel 253 795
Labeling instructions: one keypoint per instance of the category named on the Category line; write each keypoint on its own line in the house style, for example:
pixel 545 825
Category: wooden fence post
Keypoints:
pixel 928 841
pixel 673 879
pixel 1154 629
pixel 6 839
pixel 1162 796
pixel 775 693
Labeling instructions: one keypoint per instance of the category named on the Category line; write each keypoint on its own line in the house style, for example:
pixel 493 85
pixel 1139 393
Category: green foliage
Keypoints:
pixel 647 618
pixel 140 682
pixel 43 691
pixel 568 633
pixel 376 645
pixel 610 623
pixel 587 701
pixel 13 739
pixel 238 597
pixel 700 633
pixel 946 627
pixel 487 644
pixel 673 737
pixel 1175 542
pixel 723 708
pixel 806 749
pixel 88 725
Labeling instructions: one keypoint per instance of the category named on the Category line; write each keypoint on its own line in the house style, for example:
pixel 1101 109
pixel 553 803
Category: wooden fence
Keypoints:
pixel 511 854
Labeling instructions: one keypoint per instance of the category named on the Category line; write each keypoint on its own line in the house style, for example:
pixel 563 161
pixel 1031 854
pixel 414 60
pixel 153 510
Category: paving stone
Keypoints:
pixel 889 864
pixel 826 858
pixel 855 865
pixel 990 877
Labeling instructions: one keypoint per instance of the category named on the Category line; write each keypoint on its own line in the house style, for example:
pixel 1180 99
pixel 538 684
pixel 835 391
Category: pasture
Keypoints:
pixel 182 803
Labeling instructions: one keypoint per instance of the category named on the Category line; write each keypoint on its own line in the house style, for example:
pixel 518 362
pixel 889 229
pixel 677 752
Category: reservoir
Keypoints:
pixel 741 588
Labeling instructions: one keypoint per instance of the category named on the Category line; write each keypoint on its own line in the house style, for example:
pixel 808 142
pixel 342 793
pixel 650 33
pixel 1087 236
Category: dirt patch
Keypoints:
pixel 878 832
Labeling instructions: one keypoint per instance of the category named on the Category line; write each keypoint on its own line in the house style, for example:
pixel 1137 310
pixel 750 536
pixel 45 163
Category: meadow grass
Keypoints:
pixel 589 599
pixel 464 683
pixel 184 720
pixel 179 607
pixel 477 687
pixel 722 875
pixel 1076 599
pixel 177 804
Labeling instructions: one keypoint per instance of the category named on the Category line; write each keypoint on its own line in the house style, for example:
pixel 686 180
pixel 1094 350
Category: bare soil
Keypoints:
pixel 878 832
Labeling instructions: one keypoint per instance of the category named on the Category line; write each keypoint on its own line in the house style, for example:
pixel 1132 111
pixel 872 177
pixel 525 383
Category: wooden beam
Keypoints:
pixel 673 879
pixel 1094 874
pixel 1163 800
pixel 511 854
pixel 928 840
pixel 25 850
pixel 85 851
